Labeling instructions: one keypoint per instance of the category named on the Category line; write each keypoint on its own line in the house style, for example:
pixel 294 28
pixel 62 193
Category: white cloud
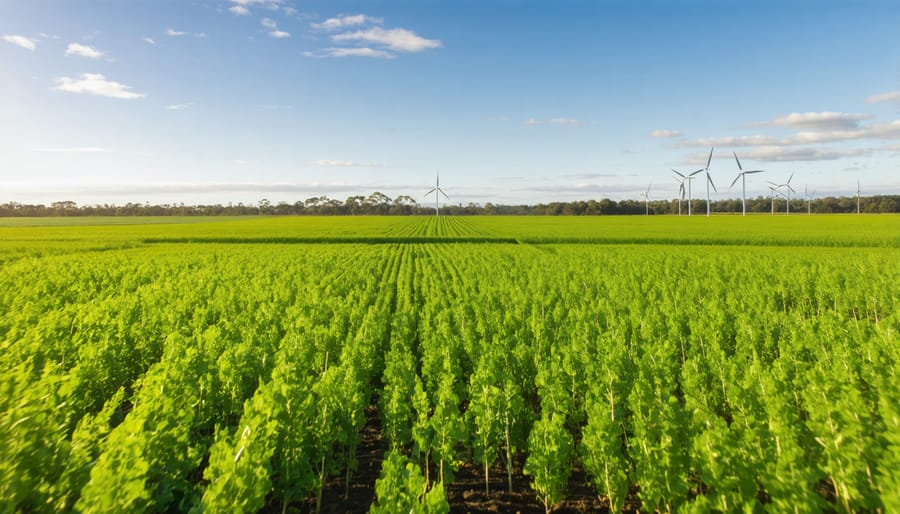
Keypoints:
pixel 24 42
pixel 347 21
pixel 351 52
pixel 149 40
pixel 242 7
pixel 818 120
pixel 663 133
pixel 875 131
pixel 84 51
pixel 893 96
pixel 755 140
pixel 78 149
pixel 401 40
pixel 180 107
pixel 531 122
pixel 273 29
pixel 96 84
pixel 345 164
pixel 173 32
pixel 781 154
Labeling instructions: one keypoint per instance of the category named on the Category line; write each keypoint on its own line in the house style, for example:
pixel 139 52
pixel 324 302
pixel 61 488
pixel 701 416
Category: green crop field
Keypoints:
pixel 415 364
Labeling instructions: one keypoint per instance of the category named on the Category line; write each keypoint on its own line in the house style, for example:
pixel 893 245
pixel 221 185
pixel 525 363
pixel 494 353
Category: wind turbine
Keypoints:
pixel 689 178
pixel 437 189
pixel 774 188
pixel 808 196
pixel 709 181
pixel 680 193
pixel 787 186
pixel 646 196
pixel 743 176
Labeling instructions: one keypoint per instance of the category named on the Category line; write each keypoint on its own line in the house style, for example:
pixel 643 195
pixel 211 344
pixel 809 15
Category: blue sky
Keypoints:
pixel 218 101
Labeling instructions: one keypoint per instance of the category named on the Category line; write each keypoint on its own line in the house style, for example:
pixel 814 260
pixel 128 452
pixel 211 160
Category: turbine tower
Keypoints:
pixel 857 197
pixel 437 189
pixel 646 196
pixel 689 178
pixel 743 176
pixel 680 193
pixel 774 188
pixel 709 181
pixel 808 196
pixel 787 186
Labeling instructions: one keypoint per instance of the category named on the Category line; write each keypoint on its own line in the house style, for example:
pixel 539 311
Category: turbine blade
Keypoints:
pixel 755 171
pixel 738 161
pixel 713 184
pixel 430 191
pixel 792 176
pixel 735 181
pixel 708 161
pixel 694 173
pixel 677 172
pixel 443 193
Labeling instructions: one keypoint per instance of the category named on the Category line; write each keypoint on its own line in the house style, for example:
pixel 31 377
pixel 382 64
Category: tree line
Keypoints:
pixel 380 204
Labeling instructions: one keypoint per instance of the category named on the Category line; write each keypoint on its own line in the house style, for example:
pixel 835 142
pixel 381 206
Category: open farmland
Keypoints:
pixel 462 363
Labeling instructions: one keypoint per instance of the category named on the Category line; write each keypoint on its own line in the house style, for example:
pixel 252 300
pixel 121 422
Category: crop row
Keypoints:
pixel 237 377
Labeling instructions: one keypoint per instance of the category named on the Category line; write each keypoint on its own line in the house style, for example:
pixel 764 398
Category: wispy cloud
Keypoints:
pixel 341 22
pixel 345 164
pixel 369 39
pixel 532 122
pixel 149 40
pixel 180 107
pixel 272 29
pixel 314 188
pixel 567 188
pixel 83 51
pixel 350 52
pixel 399 40
pixel 662 133
pixel 96 84
pixel 818 120
pixel 893 96
pixel 589 176
pixel 179 33
pixel 875 131
pixel 242 7
pixel 77 149
pixel 22 41
pixel 783 154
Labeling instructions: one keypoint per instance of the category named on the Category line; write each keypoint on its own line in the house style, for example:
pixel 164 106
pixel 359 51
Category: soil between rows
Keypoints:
pixel 466 493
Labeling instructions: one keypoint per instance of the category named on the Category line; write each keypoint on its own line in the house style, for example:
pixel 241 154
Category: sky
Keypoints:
pixel 512 102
